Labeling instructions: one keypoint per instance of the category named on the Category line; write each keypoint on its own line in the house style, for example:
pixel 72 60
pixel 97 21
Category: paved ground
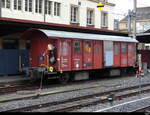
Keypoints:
pixel 6 79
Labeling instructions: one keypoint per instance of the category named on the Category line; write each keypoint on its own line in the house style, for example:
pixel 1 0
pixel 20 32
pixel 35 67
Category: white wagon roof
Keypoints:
pixel 77 35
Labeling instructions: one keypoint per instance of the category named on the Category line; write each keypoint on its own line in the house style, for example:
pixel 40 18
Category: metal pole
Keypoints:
pixel 44 10
pixel 134 21
pixel 0 8
pixel 129 21
pixel 140 87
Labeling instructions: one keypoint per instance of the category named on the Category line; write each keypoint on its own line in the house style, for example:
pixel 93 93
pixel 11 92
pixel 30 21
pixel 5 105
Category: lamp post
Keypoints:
pixel 134 21
pixel 0 8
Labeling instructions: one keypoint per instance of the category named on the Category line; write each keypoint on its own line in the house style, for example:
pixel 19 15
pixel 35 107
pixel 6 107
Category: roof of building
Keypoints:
pixel 143 13
pixel 77 35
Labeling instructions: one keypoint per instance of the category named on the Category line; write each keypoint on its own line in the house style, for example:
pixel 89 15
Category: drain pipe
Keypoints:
pixel 44 11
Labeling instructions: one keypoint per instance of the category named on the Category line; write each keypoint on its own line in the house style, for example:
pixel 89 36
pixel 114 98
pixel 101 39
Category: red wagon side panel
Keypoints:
pixel 38 48
pixel 117 54
pixel 98 57
pixel 131 54
pixel 65 55
pixel 77 55
pixel 87 54
pixel 124 55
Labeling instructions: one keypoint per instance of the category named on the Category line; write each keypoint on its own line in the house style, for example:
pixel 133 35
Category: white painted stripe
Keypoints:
pixel 121 104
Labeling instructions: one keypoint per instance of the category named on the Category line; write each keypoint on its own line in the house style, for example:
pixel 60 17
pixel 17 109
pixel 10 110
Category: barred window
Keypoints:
pixel 64 51
pixel 123 48
pixel 87 46
pixel 77 47
pixel 116 50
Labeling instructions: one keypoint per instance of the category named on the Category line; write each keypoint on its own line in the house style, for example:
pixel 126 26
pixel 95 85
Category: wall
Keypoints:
pixel 65 13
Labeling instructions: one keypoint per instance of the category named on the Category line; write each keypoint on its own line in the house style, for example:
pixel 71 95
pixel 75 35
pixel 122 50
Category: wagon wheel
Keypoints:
pixel 34 75
pixel 63 78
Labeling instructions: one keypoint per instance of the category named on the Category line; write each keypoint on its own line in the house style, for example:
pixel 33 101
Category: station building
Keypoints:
pixel 16 16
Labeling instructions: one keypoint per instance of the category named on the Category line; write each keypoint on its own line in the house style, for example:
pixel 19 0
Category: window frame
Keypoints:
pixel 90 16
pixel 57 9
pixel 74 14
pixel 18 5
pixel 3 3
pixel 104 19
pixel 28 5
pixel 6 4
pixel 39 6
pixel 48 7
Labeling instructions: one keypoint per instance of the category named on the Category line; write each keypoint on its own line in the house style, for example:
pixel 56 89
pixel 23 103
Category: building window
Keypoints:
pixel 74 14
pixel 90 17
pixel 104 19
pixel 28 5
pixel 116 24
pixel 48 7
pixel 5 4
pixel 38 6
pixel 56 9
pixel 17 4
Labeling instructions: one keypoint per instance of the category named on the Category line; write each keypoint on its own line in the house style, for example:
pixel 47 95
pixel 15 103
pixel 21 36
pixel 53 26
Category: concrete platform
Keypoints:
pixel 15 78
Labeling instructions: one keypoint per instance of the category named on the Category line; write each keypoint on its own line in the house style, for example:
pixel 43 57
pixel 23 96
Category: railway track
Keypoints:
pixel 7 88
pixel 143 109
pixel 14 87
pixel 83 101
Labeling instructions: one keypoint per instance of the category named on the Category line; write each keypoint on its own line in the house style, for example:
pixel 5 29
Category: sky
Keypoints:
pixel 122 6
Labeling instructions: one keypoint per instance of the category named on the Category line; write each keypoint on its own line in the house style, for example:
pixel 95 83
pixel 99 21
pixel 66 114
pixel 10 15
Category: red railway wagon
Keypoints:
pixel 75 55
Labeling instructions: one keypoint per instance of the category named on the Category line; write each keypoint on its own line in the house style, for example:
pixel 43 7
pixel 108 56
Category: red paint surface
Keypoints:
pixel 117 55
pixel 98 55
pixel 76 56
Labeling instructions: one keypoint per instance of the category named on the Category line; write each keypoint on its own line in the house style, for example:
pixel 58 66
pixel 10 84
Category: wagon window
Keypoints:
pixel 130 49
pixel 115 48
pixel 77 47
pixel 123 48
pixel 87 46
pixel 10 44
pixel 64 48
